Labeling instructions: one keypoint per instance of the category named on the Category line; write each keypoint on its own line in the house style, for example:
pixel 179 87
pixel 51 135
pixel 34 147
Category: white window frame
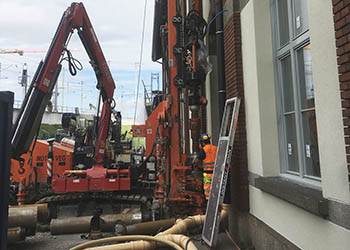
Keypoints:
pixel 289 49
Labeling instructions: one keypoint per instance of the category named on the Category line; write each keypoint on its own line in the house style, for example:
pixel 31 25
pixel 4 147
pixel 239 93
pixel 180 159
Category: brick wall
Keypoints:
pixel 234 87
pixel 341 10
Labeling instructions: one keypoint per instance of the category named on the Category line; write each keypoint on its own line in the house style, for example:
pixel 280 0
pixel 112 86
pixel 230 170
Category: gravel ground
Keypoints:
pixel 46 241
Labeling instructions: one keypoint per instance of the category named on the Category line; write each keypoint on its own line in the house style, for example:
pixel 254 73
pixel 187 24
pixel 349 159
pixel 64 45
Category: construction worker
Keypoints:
pixel 207 155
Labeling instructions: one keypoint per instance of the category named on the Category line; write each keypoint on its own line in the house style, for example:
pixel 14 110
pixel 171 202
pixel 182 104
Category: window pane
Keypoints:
pixel 283 21
pixel 291 139
pixel 305 78
pixel 311 144
pixel 287 84
pixel 301 19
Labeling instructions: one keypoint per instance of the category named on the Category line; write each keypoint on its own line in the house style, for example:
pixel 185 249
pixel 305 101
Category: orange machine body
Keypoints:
pixel 164 129
pixel 63 159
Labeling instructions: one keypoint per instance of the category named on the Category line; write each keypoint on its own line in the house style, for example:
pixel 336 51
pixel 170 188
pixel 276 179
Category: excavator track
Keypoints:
pixel 110 198
pixel 104 195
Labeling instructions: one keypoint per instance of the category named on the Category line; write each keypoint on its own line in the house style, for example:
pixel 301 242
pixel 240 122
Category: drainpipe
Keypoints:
pixel 220 57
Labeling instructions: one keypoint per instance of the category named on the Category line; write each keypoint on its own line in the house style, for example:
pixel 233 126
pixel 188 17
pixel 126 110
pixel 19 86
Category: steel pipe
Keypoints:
pixel 82 224
pixel 43 212
pixel 147 228
pixel 23 217
pixel 172 234
pixel 15 234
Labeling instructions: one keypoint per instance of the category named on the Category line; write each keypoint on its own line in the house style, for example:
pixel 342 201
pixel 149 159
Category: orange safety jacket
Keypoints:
pixel 210 155
pixel 208 165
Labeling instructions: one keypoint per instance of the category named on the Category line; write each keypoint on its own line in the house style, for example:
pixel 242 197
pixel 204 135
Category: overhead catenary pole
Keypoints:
pixel 56 95
pixel 81 96
pixel 25 78
pixel 63 89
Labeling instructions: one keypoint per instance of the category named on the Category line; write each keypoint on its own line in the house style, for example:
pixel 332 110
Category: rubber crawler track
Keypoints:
pixel 110 196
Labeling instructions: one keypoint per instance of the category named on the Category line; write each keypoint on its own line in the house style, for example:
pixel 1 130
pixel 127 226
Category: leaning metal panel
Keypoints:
pixel 220 175
pixel 6 111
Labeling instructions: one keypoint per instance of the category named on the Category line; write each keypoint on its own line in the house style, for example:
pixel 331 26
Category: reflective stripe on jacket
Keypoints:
pixel 208 167
pixel 210 155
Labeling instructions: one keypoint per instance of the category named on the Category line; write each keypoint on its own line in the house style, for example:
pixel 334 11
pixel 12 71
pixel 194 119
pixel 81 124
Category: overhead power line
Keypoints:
pixel 139 75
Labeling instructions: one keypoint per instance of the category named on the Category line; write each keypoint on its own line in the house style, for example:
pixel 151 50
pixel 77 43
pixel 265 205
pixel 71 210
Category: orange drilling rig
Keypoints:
pixel 179 31
pixel 164 183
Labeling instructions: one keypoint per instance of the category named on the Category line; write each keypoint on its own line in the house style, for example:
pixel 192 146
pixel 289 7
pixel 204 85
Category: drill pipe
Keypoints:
pixel 180 227
pixel 23 217
pixel 148 228
pixel 15 234
pixel 43 212
pixel 82 224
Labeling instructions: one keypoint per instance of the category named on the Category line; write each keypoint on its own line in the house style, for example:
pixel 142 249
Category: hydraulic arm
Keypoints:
pixel 44 80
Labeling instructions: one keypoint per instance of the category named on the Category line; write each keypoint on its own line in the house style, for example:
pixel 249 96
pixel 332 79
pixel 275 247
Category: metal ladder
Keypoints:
pixel 220 176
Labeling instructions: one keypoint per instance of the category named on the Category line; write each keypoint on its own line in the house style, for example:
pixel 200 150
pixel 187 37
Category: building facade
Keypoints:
pixel 289 61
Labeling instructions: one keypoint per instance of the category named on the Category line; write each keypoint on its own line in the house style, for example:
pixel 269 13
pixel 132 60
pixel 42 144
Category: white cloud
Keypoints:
pixel 31 25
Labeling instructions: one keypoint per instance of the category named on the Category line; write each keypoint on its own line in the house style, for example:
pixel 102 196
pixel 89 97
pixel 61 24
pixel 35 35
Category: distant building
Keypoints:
pixel 289 61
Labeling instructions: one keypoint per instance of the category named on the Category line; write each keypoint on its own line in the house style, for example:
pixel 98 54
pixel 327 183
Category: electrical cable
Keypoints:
pixel 141 54
pixel 212 20
pixel 234 243
pixel 142 164
pixel 73 63
pixel 192 239
pixel 187 243
pixel 113 103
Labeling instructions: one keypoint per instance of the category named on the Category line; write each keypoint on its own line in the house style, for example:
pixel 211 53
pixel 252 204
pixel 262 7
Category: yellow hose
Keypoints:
pixel 180 240
pixel 125 238
pixel 169 237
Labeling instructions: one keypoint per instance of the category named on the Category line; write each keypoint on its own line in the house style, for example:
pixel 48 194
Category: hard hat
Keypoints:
pixel 205 137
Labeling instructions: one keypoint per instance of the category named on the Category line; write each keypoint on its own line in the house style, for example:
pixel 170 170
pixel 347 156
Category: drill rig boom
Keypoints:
pixel 40 91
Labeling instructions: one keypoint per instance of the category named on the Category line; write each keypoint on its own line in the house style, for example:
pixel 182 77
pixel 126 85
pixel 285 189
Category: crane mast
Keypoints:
pixel 178 43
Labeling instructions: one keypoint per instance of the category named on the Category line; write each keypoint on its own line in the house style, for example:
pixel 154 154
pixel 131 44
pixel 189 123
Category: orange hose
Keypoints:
pixel 234 243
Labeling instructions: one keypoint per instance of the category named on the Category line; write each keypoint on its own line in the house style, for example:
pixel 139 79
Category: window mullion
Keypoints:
pixel 298 117
pixel 290 20
pixel 295 88
pixel 297 111
pixel 281 119
pixel 294 99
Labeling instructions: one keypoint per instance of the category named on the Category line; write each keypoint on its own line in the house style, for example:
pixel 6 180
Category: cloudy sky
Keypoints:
pixel 30 25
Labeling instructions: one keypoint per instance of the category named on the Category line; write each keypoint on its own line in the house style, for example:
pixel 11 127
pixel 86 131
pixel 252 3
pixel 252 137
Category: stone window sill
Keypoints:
pixel 299 194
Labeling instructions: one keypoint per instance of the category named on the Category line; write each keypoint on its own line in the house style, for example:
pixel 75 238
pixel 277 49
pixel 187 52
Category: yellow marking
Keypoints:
pixel 124 156
pixel 76 171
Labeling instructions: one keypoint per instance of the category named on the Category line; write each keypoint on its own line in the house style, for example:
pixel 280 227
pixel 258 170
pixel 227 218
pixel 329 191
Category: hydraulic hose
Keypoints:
pixel 173 235
pixel 88 245
pixel 182 241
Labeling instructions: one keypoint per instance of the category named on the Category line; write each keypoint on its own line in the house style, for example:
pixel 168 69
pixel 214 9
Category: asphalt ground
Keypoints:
pixel 46 241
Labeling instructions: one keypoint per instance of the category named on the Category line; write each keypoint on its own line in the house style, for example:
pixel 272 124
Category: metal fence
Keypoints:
pixel 62 109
